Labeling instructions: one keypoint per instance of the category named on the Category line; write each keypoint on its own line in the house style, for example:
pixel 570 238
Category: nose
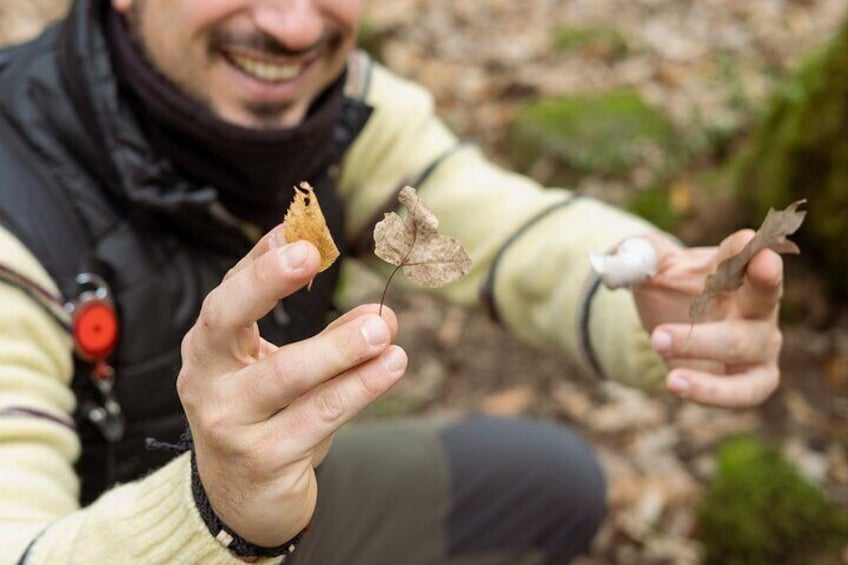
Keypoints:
pixel 297 24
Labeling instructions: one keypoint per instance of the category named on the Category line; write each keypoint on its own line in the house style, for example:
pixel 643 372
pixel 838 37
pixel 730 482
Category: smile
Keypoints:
pixel 264 70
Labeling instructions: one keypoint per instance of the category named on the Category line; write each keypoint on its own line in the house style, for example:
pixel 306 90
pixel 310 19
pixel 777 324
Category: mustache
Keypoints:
pixel 263 43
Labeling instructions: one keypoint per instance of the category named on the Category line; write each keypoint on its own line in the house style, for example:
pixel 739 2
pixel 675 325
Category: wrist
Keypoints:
pixel 226 536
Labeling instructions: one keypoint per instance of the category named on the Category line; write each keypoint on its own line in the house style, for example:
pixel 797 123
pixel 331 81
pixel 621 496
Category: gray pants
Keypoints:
pixel 477 491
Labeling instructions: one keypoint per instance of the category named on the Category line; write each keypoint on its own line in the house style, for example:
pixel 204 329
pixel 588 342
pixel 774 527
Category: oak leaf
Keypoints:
pixel 415 245
pixel 730 273
pixel 305 221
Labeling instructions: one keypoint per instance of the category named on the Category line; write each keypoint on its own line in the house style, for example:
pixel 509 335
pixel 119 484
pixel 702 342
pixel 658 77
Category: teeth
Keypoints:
pixel 266 71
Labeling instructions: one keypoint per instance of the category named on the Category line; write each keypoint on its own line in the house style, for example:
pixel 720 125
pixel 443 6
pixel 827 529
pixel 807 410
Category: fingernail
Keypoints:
pixel 295 255
pixel 678 383
pixel 395 360
pixel 375 331
pixel 661 341
pixel 278 238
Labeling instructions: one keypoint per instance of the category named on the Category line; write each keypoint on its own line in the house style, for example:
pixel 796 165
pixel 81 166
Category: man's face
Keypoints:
pixel 255 63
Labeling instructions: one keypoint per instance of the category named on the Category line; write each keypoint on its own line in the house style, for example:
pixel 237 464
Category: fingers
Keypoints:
pixel 388 315
pixel 730 344
pixel 252 292
pixel 315 416
pixel 721 364
pixel 740 390
pixel 763 283
pixel 733 244
pixel 273 239
pixel 271 384
pixel 759 297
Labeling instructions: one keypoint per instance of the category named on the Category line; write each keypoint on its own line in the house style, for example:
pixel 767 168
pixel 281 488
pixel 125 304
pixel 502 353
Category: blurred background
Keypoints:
pixel 699 115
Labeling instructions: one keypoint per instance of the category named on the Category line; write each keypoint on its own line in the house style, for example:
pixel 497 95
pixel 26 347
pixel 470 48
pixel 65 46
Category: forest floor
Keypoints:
pixel 706 62
pixel 710 63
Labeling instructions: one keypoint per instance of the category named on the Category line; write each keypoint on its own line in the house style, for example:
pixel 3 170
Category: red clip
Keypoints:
pixel 94 322
pixel 95 330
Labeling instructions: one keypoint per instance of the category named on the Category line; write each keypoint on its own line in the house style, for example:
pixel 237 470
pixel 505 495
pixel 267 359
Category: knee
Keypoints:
pixel 544 474
pixel 571 487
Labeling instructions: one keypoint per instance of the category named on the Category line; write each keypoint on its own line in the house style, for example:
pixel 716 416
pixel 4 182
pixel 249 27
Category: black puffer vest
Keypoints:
pixel 83 190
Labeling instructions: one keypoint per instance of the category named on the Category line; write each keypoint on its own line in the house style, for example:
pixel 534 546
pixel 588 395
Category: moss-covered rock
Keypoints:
pixel 609 134
pixel 758 509
pixel 800 150
pixel 615 135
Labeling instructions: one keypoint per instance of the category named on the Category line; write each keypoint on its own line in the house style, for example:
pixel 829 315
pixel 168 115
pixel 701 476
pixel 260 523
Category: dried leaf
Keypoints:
pixel 305 221
pixel 414 243
pixel 731 272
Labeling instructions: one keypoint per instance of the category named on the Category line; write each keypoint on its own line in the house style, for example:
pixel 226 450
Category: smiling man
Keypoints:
pixel 148 151
pixel 255 64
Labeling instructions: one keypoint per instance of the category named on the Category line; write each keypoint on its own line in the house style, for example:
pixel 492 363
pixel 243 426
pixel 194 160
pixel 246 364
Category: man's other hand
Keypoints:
pixel 729 358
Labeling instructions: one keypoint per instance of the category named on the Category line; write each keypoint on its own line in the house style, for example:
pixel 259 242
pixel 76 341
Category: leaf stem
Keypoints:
pixel 386 289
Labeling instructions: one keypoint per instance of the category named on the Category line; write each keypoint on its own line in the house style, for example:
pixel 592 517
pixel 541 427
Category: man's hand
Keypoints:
pixel 262 417
pixel 730 357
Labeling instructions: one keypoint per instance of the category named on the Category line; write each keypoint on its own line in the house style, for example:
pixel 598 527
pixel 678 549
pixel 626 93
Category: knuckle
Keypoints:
pixel 283 371
pixel 217 430
pixel 350 349
pixel 265 271
pixel 185 388
pixel 209 318
pixel 751 395
pixel 776 341
pixel 233 270
pixel 330 405
pixel 370 382
pixel 772 382
pixel 186 382
pixel 284 374
pixel 736 348
pixel 187 344
pixel 356 354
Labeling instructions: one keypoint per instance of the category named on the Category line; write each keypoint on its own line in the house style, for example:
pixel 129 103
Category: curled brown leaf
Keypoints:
pixel 730 273
pixel 415 244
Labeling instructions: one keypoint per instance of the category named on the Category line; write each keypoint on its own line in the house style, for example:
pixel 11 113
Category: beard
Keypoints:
pixel 265 115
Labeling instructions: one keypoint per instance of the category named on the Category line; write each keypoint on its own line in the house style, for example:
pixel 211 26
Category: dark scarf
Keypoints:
pixel 252 170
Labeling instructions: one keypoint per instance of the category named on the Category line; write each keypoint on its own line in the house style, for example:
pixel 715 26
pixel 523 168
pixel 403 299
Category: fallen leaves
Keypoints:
pixel 305 221
pixel 730 273
pixel 415 245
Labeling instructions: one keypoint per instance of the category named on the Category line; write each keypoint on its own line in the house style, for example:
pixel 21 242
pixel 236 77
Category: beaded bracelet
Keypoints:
pixel 226 536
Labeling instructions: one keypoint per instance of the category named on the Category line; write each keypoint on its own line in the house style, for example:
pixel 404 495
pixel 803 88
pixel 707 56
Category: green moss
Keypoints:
pixel 758 509
pixel 800 150
pixel 607 43
pixel 609 135
pixel 371 40
pixel 654 205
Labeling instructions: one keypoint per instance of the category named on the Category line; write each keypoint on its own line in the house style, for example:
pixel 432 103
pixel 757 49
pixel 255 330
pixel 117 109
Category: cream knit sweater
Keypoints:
pixel 539 289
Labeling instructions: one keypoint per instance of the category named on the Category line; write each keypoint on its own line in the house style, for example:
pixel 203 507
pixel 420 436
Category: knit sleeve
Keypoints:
pixel 529 244
pixel 153 520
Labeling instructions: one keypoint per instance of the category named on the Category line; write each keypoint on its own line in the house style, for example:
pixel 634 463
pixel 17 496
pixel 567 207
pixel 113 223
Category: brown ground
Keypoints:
pixel 701 62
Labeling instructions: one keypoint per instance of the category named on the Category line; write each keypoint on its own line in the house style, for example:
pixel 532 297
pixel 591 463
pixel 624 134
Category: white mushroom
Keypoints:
pixel 633 262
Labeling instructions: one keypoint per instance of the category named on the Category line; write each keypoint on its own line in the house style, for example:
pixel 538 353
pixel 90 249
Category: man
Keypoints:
pixel 147 146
